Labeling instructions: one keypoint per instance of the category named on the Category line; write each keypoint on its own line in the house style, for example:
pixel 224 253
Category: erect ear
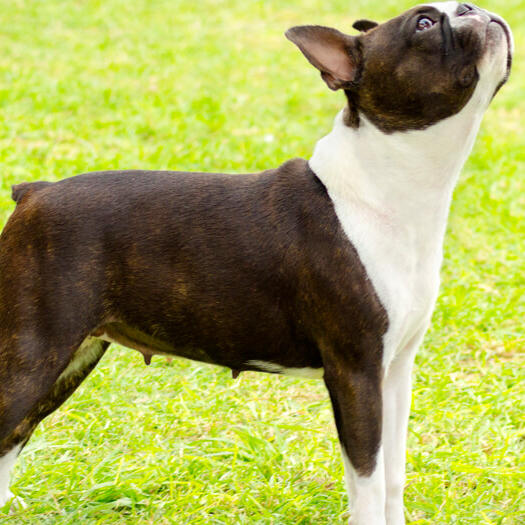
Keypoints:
pixel 364 25
pixel 333 53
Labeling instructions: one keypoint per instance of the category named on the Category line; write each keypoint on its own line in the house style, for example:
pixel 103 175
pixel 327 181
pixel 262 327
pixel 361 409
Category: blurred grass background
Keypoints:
pixel 214 85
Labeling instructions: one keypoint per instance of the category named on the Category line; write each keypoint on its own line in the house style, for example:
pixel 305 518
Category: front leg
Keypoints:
pixel 397 390
pixel 355 392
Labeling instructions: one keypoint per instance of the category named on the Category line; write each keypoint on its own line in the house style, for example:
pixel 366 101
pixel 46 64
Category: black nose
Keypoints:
pixel 465 9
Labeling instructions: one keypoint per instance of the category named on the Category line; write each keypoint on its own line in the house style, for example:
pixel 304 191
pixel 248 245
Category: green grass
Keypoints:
pixel 214 85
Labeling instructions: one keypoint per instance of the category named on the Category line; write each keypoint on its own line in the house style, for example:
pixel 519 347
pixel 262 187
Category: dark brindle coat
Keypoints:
pixel 205 266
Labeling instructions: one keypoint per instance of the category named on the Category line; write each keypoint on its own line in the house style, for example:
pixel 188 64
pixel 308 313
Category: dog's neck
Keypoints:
pixel 392 194
pixel 404 180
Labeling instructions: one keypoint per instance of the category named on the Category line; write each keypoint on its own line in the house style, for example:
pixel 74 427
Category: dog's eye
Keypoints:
pixel 424 23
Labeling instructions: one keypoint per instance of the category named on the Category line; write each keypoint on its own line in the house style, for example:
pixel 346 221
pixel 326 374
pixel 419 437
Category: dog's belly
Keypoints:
pixel 298 360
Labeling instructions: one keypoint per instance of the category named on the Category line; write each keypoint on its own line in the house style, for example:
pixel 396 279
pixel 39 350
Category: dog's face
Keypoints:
pixel 416 69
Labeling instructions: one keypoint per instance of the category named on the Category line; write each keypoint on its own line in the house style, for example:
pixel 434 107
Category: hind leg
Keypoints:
pixel 81 364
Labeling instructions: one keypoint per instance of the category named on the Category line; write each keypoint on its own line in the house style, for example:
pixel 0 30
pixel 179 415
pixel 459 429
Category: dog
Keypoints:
pixel 324 268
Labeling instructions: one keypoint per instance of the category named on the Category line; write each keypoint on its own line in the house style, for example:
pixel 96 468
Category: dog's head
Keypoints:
pixel 416 69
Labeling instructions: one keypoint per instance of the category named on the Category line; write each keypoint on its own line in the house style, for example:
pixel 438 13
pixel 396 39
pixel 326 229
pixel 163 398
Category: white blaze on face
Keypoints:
pixel 448 8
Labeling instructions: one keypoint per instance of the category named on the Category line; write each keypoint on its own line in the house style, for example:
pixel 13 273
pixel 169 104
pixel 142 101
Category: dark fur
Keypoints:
pixel 217 268
pixel 364 25
pixel 19 191
pixel 409 85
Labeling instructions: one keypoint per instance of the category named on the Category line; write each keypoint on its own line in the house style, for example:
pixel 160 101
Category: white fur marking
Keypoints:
pixel 448 8
pixel 366 493
pixel 396 409
pixel 312 373
pixel 6 464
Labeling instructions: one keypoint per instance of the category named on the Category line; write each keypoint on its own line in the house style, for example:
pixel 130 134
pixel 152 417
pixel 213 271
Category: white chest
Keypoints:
pixel 392 194
pixel 403 269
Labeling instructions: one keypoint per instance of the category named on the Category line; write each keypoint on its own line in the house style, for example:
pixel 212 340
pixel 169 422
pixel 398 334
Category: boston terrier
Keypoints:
pixel 324 268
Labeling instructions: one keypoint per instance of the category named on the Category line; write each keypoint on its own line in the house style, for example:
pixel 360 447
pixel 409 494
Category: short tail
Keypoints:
pixel 19 191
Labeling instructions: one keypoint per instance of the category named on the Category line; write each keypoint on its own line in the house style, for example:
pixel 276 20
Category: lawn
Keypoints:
pixel 214 85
